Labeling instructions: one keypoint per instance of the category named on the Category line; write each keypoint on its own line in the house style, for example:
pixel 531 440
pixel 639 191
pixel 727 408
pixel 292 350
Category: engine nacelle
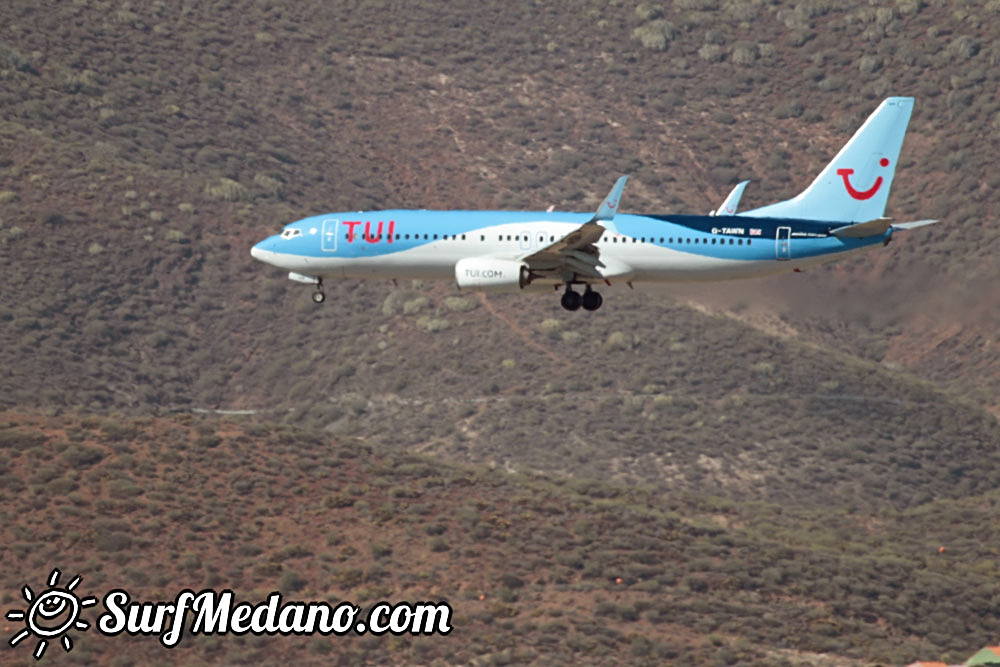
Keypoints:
pixel 489 274
pixel 301 278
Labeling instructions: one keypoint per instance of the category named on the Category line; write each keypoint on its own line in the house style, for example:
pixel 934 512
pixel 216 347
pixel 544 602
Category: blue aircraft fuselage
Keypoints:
pixel 427 244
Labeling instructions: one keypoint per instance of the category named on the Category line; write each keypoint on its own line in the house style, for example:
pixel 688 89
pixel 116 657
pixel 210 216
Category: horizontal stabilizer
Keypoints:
pixel 863 230
pixel 913 225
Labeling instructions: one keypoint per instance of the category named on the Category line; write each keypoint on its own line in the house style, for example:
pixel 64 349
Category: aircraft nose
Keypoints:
pixel 262 250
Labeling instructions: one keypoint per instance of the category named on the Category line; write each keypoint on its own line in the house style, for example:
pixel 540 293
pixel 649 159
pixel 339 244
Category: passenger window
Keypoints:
pixel 748 241
pixel 713 241
pixel 739 241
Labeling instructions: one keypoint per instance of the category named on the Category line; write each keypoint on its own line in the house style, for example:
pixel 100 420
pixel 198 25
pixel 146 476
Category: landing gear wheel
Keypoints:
pixel 570 299
pixel 592 300
pixel 319 296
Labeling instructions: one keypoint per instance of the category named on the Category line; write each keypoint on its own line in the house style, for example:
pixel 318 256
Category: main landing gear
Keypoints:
pixel 590 300
pixel 319 296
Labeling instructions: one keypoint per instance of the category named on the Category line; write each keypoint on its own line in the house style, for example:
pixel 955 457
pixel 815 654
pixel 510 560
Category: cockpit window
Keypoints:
pixel 291 233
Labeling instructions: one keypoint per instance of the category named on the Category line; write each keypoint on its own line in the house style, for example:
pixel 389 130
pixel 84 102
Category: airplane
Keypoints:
pixel 841 212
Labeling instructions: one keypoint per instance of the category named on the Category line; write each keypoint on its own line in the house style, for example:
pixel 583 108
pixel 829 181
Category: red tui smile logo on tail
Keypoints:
pixel 861 194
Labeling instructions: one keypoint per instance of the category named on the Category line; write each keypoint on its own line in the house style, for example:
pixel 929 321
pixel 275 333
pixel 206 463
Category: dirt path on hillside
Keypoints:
pixel 522 333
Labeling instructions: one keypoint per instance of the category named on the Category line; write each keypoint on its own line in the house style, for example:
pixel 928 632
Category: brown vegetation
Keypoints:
pixel 535 567
pixel 144 147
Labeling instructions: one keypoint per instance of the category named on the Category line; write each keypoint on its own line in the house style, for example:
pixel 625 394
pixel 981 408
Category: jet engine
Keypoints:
pixel 490 274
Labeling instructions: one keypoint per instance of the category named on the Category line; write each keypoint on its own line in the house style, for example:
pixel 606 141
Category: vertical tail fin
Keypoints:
pixel 854 187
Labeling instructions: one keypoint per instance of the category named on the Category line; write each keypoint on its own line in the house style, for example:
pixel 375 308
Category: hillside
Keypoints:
pixel 535 568
pixel 150 146
pixel 703 402
pixel 769 466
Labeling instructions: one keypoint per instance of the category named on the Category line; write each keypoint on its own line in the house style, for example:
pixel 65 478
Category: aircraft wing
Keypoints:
pixel 577 251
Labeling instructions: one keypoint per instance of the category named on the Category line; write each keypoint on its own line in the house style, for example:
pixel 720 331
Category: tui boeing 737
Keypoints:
pixel 503 251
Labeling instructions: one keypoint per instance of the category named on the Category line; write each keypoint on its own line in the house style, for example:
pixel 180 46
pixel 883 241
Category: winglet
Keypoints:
pixel 610 204
pixel 733 200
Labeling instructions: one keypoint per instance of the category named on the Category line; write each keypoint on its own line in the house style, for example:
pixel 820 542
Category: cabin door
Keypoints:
pixel 783 243
pixel 331 227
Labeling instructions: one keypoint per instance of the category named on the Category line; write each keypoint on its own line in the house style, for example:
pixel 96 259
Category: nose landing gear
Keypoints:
pixel 319 296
